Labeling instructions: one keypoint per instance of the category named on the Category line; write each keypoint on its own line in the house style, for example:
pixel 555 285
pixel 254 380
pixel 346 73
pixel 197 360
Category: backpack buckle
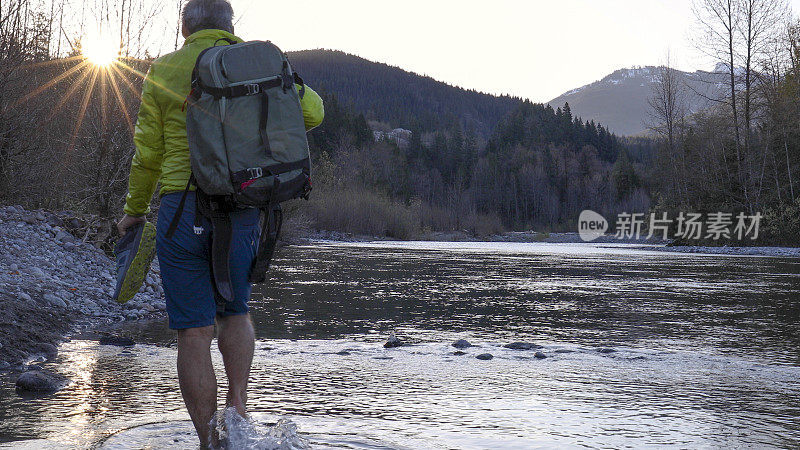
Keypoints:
pixel 255 172
pixel 253 89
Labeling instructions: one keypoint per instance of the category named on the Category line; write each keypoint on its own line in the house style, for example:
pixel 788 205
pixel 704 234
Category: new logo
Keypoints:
pixel 591 225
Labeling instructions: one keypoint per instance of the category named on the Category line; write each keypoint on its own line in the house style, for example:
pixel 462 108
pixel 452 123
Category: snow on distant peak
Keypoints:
pixel 574 91
pixel 722 67
pixel 631 73
pixel 635 71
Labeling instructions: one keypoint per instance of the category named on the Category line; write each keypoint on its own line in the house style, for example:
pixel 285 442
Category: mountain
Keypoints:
pixel 619 101
pixel 402 99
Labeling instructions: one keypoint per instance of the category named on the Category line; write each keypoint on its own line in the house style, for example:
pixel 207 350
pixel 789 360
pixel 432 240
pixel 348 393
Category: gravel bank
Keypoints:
pixel 53 284
pixel 787 252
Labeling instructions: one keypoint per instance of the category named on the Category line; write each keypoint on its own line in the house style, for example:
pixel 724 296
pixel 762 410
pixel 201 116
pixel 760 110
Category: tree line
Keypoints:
pixel 743 153
pixel 539 169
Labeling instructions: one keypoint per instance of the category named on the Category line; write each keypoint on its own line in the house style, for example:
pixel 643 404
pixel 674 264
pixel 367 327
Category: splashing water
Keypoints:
pixel 236 431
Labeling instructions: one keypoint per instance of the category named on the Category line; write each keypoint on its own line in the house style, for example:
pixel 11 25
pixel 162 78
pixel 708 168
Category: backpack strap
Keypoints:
pixel 270 230
pixel 254 173
pixel 262 124
pixel 228 40
pixel 217 210
pixel 299 81
pixel 179 212
pixel 242 89
pixel 269 236
pixel 220 256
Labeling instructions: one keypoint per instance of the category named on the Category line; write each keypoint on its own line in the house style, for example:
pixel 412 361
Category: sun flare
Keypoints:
pixel 100 50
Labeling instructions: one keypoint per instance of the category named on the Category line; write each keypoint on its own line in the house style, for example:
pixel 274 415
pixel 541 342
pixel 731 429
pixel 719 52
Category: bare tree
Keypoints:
pixel 24 42
pixel 762 22
pixel 739 32
pixel 718 20
pixel 667 115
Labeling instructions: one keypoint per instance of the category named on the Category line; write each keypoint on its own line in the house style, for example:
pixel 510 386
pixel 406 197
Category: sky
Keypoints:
pixel 528 48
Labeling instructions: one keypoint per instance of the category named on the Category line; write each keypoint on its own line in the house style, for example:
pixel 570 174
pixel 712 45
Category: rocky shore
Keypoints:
pixel 54 283
pixel 785 252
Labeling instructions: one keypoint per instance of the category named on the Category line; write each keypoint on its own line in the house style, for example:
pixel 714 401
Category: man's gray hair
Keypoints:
pixel 208 14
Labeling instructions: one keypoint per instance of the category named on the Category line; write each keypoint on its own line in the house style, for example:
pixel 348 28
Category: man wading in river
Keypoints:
pixel 200 289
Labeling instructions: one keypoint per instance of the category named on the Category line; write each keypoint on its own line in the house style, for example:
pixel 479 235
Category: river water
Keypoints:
pixel 642 349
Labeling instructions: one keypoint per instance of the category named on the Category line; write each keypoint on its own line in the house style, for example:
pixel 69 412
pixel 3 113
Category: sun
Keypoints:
pixel 100 50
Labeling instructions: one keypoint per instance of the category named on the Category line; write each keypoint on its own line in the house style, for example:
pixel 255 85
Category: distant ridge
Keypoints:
pixel 619 100
pixel 401 98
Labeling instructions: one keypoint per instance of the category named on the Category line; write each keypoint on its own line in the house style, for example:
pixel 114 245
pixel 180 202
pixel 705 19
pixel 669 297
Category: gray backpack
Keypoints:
pixel 247 144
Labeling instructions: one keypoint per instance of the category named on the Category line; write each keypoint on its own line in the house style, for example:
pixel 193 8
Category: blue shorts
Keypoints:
pixel 185 262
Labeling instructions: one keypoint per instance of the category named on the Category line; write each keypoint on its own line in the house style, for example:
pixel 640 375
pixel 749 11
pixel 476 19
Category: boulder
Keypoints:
pixel 393 342
pixel 606 350
pixel 485 356
pixel 539 355
pixel 462 343
pixel 522 346
pixel 44 348
pixel 458 353
pixel 65 237
pixel 40 382
pixel 73 223
pixel 55 301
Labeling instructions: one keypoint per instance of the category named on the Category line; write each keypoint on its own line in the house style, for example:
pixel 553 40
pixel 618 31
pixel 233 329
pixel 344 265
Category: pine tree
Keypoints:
pixel 623 176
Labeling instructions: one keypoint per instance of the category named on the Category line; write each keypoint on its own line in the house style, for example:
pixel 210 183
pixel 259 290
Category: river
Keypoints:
pixel 641 348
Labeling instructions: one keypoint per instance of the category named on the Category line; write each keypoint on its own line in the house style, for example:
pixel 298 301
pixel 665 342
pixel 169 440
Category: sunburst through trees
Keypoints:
pixel 70 86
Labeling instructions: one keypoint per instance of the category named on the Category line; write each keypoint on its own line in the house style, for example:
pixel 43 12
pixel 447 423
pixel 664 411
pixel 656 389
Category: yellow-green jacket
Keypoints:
pixel 162 149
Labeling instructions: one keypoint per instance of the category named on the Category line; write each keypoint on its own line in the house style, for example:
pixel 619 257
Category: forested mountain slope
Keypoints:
pixel 401 98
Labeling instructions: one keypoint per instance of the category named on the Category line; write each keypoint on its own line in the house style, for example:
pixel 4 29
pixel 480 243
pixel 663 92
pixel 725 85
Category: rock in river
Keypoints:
pixel 40 382
pixel 485 356
pixel 539 355
pixel 606 350
pixel 522 346
pixel 462 343
pixel 393 342
pixel 46 349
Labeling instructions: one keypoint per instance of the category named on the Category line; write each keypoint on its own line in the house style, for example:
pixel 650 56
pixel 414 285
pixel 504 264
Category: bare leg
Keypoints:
pixel 236 342
pixel 197 380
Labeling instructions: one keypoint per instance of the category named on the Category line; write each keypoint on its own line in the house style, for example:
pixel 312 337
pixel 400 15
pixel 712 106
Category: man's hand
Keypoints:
pixel 127 222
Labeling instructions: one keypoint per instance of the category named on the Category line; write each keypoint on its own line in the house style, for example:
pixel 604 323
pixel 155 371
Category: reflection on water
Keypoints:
pixel 706 354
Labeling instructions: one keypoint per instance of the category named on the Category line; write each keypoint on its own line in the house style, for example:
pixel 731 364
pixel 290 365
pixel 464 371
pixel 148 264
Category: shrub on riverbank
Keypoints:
pixel 361 211
pixel 782 225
